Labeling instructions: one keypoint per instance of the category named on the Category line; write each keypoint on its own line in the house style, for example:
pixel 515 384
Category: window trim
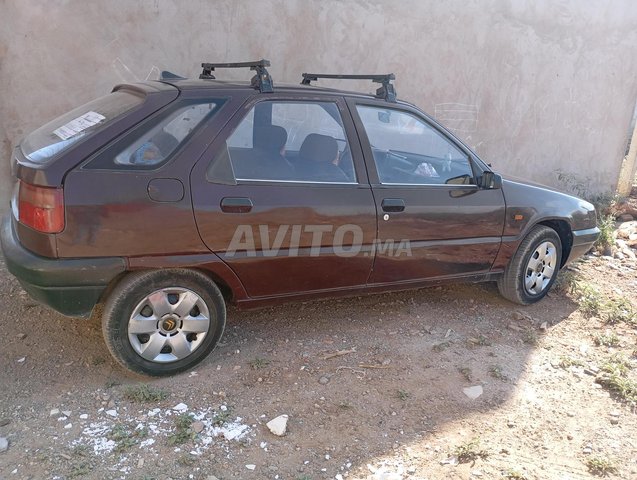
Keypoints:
pixel 408 109
pixel 349 129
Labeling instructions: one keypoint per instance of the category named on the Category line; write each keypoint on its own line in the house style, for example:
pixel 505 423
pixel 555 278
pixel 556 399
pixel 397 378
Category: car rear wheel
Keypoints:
pixel 163 322
pixel 534 267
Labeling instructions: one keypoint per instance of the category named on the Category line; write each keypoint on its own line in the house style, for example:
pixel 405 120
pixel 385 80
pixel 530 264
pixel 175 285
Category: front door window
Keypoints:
pixel 408 151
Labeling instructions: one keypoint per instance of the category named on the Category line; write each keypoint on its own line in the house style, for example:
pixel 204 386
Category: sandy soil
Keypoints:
pixel 373 387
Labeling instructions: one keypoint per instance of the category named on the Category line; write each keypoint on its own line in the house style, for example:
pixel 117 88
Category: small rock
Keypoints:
pixel 614 421
pixel 66 413
pixel 614 413
pixel 544 326
pixel 473 392
pixel 111 413
pixel 197 427
pixel 21 359
pixel 68 426
pixel 140 463
pixel 21 336
pixel 593 371
pixel 324 380
pixel 84 416
pixel 54 412
pixel 4 421
pixel 111 404
pixel 180 407
pixel 278 425
pixel 251 466
pixel 513 326
pixel 450 461
pixel 587 450
pixel 4 444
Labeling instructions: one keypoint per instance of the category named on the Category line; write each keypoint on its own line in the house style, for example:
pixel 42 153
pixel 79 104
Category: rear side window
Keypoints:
pixel 157 139
pixel 56 136
pixel 162 140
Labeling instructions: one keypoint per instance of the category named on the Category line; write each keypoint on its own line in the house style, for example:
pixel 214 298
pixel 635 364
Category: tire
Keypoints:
pixel 533 269
pixel 163 322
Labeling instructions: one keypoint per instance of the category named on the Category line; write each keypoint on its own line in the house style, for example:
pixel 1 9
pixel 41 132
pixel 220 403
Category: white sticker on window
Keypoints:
pixel 78 125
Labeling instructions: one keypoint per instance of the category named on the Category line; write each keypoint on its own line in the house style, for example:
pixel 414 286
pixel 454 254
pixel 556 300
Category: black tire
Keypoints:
pixel 512 282
pixel 126 299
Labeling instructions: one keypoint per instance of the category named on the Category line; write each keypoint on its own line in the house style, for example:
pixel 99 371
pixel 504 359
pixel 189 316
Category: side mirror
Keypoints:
pixel 490 181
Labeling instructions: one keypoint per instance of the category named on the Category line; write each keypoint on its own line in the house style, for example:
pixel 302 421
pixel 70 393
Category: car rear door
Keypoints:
pixel 288 218
pixel 434 220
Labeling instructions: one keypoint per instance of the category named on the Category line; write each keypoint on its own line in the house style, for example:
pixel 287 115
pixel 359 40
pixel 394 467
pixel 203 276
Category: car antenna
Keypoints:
pixel 386 91
pixel 262 79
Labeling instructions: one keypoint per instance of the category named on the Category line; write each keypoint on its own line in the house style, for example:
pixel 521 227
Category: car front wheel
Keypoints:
pixel 162 322
pixel 534 267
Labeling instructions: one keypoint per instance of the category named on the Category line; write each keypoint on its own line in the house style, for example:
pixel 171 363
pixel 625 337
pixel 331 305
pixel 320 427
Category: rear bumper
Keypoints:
pixel 70 286
pixel 583 240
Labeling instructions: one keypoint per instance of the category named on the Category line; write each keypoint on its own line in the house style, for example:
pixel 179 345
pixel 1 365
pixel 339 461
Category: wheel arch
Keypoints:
pixel 564 231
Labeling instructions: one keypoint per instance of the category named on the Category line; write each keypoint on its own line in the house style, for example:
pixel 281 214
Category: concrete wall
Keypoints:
pixel 534 86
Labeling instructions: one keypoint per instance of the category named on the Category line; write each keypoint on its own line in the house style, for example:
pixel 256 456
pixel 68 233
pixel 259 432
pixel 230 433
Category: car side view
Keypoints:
pixel 166 200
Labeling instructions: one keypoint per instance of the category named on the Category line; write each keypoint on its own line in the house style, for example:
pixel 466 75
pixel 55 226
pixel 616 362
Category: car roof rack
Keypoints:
pixel 386 91
pixel 262 80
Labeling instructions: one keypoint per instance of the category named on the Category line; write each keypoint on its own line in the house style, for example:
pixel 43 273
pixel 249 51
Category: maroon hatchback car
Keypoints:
pixel 166 199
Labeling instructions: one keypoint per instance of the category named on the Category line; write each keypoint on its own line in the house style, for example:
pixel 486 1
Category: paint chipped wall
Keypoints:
pixel 533 86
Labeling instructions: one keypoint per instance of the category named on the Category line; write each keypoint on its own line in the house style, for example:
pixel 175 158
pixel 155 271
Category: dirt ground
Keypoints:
pixel 373 387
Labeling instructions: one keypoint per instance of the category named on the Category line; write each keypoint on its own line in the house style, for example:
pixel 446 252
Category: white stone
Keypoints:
pixel 278 425
pixel 66 412
pixel 251 467
pixel 68 426
pixel 54 412
pixel 473 392
pixel 111 413
pixel 84 416
pixel 180 407
pixel 4 444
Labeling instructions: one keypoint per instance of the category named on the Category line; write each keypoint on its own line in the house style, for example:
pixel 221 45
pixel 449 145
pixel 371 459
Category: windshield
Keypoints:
pixel 59 134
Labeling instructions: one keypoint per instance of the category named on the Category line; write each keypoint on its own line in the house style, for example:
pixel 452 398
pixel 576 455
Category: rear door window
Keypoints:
pixel 290 141
pixel 58 135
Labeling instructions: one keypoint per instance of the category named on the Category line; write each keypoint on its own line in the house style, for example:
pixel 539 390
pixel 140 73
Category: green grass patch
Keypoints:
pixel 600 466
pixel 470 452
pixel 182 433
pixel 144 393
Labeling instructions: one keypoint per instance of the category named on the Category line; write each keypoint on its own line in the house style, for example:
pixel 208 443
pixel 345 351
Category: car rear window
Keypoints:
pixel 56 136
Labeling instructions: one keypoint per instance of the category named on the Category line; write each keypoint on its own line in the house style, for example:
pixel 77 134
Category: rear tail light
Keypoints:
pixel 41 208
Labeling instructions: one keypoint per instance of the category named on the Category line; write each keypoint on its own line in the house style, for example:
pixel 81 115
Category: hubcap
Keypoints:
pixel 540 268
pixel 168 325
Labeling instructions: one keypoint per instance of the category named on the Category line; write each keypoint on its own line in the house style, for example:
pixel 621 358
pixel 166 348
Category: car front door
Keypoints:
pixel 282 196
pixel 433 219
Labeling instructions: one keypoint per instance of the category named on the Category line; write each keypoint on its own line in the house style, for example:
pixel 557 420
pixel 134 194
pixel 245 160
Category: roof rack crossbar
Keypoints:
pixel 386 91
pixel 262 80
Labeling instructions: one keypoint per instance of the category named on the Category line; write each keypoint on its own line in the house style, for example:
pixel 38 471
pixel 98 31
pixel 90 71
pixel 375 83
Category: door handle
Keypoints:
pixel 393 205
pixel 236 205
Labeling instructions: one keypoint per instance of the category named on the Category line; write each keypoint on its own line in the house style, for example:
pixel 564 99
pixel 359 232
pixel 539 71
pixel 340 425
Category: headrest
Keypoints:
pixel 318 148
pixel 270 138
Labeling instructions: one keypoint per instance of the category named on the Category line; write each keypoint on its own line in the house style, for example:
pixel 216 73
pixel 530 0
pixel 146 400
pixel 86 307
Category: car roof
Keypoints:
pixel 198 84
